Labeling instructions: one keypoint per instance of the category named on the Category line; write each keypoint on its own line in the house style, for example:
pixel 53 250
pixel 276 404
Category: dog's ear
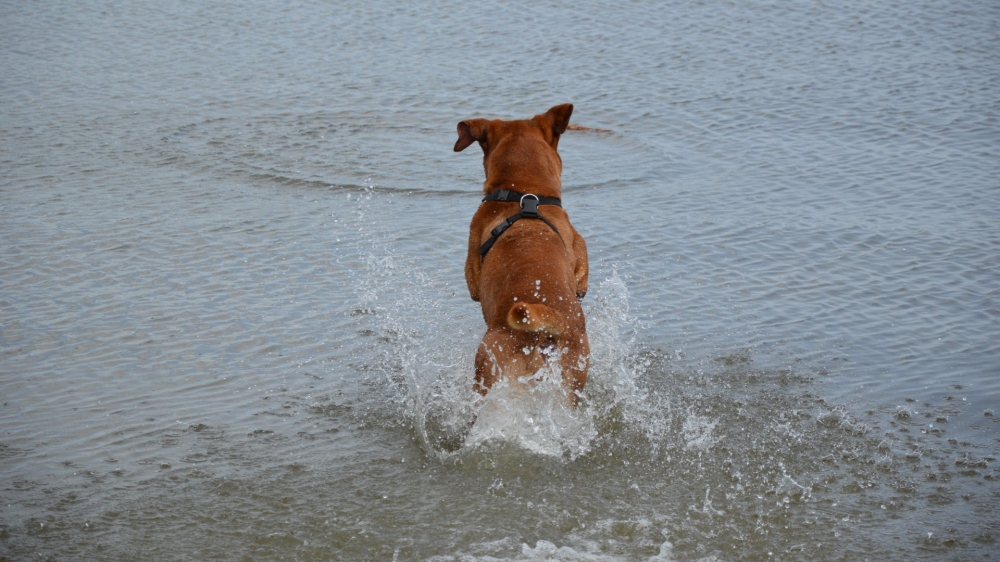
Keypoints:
pixel 558 118
pixel 470 131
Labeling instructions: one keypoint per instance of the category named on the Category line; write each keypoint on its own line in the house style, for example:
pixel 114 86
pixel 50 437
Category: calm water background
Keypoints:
pixel 235 324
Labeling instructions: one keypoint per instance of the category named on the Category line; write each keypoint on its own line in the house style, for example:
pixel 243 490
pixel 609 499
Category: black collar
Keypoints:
pixel 511 196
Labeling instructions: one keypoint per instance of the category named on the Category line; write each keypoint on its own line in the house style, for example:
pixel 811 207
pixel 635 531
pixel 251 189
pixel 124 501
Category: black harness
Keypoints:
pixel 529 210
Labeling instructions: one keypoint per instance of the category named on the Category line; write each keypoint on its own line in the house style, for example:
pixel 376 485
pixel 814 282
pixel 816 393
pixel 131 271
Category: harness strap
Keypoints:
pixel 529 210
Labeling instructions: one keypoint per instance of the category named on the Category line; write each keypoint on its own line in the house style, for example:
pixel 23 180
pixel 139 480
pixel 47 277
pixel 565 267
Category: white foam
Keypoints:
pixel 547 551
pixel 698 432
pixel 535 417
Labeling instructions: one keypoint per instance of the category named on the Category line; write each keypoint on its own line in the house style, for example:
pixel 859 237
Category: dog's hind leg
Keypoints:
pixel 487 366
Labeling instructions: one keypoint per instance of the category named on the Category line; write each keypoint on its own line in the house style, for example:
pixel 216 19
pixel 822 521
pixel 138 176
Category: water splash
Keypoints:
pixel 534 417
pixel 413 310
pixel 615 391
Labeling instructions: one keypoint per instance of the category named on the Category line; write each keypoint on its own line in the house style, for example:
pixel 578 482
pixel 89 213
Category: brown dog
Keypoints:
pixel 527 265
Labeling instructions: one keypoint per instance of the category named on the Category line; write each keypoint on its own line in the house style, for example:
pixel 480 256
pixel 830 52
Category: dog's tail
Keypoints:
pixel 526 317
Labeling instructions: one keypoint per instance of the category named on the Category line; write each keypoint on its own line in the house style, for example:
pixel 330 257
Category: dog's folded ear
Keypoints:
pixel 470 131
pixel 558 118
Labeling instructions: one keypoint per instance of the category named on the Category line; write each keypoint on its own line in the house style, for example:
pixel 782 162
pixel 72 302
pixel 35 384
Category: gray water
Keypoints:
pixel 235 324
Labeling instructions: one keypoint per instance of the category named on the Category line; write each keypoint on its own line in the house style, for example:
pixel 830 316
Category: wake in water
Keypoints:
pixel 414 311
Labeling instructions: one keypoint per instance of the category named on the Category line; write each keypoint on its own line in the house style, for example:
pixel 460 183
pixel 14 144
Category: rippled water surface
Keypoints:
pixel 235 323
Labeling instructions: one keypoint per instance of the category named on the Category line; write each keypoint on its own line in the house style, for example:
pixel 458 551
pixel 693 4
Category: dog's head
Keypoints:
pixel 518 151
